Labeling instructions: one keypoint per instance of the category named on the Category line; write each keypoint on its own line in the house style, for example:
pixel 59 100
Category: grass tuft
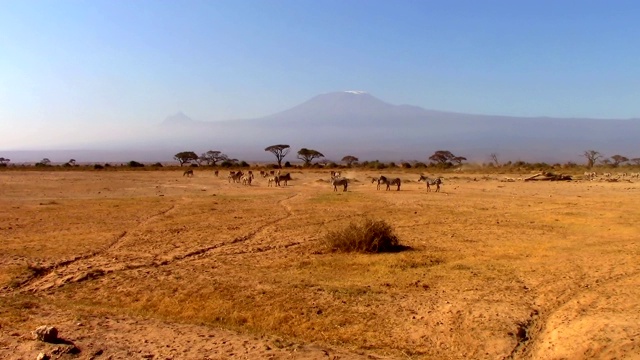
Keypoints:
pixel 368 236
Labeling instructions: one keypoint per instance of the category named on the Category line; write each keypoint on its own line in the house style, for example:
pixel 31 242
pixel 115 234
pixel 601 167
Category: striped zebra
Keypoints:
pixel 235 176
pixel 280 178
pixel 340 182
pixel 430 182
pixel 246 180
pixel 391 182
pixel 188 173
pixel 379 180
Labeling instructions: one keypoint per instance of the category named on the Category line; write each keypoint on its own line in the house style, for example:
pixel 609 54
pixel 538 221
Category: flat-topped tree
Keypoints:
pixel 212 157
pixel 4 160
pixel 349 160
pixel 618 159
pixel 185 157
pixel 442 158
pixel 307 155
pixel 280 151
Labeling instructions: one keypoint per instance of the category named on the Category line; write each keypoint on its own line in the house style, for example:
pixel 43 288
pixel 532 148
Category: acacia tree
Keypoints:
pixel 212 157
pixel 307 155
pixel 280 151
pixel 592 156
pixel 45 161
pixel 4 161
pixel 185 157
pixel 636 161
pixel 349 160
pixel 618 159
pixel 459 159
pixel 442 157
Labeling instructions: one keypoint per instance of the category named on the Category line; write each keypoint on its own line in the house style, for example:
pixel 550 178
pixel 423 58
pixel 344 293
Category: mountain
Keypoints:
pixel 178 119
pixel 357 123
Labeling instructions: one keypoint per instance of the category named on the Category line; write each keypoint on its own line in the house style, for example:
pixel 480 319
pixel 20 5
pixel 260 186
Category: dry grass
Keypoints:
pixel 366 236
pixel 487 257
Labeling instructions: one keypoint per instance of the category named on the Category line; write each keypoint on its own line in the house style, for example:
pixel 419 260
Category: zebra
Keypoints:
pixel 215 173
pixel 271 180
pixel 335 174
pixel 235 176
pixel 340 182
pixel 396 182
pixel 188 173
pixel 437 181
pixel 246 180
pixel 379 180
pixel 286 177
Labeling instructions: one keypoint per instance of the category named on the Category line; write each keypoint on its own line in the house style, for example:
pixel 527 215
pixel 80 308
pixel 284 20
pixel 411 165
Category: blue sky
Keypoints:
pixel 81 68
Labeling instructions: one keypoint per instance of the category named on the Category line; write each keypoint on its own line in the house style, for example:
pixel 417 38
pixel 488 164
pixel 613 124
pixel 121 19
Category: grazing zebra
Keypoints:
pixel 246 180
pixel 379 180
pixel 430 182
pixel 340 182
pixel 188 173
pixel 280 178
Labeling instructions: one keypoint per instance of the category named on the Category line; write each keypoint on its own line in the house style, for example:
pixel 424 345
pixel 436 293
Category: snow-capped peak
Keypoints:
pixel 356 92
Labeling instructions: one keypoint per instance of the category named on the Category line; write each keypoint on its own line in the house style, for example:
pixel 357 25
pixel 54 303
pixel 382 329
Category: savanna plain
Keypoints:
pixel 157 265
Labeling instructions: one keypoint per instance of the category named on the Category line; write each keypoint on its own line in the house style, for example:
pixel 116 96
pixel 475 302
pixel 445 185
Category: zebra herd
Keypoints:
pixel 337 180
pixel 592 176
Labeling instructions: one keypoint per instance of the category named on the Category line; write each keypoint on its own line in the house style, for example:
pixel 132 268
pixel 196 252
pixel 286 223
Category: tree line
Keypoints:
pixel 441 158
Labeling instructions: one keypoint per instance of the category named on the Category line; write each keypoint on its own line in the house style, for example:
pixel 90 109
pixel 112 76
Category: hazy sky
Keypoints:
pixel 69 69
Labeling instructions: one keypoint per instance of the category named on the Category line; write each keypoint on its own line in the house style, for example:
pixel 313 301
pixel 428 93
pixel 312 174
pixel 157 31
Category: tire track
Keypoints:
pixel 41 273
pixel 60 273
pixel 529 331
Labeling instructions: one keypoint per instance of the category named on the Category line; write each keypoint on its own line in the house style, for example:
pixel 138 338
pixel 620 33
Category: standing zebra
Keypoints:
pixel 437 181
pixel 379 180
pixel 188 173
pixel 282 178
pixel 396 182
pixel 340 182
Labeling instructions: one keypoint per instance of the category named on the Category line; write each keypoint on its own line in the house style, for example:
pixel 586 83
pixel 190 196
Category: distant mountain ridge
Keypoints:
pixel 357 123
pixel 351 122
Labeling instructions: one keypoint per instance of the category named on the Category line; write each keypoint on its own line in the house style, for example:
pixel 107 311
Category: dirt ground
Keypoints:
pixel 155 265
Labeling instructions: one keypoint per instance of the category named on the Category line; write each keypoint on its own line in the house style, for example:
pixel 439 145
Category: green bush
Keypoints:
pixel 368 236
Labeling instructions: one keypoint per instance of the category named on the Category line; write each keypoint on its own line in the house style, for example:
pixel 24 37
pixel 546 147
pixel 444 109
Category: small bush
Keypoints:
pixel 98 167
pixel 369 236
pixel 157 165
pixel 135 164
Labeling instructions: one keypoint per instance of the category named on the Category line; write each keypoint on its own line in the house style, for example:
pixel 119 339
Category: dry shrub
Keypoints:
pixel 368 236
